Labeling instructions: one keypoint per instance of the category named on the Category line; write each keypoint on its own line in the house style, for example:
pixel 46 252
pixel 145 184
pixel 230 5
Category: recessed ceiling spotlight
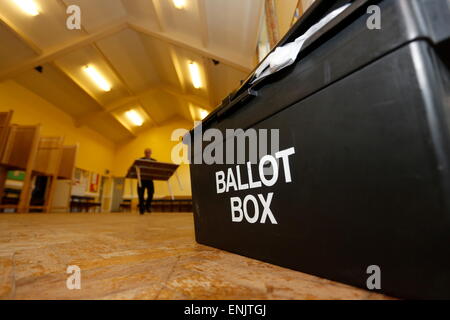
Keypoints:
pixel 179 4
pixel 203 114
pixel 134 117
pixel 99 80
pixel 195 75
pixel 28 6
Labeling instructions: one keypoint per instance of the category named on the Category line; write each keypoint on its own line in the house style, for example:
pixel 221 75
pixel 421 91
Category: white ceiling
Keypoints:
pixel 142 47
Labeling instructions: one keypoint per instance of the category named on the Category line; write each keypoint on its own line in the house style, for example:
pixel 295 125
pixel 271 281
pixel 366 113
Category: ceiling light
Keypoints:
pixel 134 117
pixel 179 4
pixel 28 6
pixel 203 114
pixel 97 78
pixel 195 75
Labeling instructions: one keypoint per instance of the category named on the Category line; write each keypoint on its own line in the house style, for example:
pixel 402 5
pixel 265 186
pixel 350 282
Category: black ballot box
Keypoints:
pixel 360 179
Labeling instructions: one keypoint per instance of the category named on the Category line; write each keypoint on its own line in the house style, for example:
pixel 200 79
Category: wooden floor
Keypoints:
pixel 127 256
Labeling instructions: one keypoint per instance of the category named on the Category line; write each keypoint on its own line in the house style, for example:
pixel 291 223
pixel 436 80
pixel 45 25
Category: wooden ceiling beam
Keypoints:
pixel 112 29
pixel 75 82
pixel 198 101
pixel 20 35
pixel 54 54
pixel 157 11
pixel 87 120
pixel 178 70
pixel 124 102
pixel 105 58
pixel 168 89
pixel 219 55
pixel 102 55
pixel 132 94
pixel 80 121
pixel 113 69
pixel 135 99
pixel 121 103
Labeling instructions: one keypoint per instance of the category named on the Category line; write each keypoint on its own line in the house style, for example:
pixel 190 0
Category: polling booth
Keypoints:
pixel 358 180
pixel 19 153
pixel 36 164
pixel 47 168
pixel 5 120
pixel 68 158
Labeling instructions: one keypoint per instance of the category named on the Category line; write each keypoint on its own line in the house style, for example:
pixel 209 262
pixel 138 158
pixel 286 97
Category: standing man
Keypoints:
pixel 146 184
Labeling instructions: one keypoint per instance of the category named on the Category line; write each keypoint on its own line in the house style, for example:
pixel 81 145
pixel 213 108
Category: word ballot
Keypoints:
pixel 235 181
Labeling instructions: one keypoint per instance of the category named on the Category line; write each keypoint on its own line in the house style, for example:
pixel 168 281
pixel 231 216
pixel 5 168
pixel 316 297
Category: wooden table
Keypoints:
pixel 143 169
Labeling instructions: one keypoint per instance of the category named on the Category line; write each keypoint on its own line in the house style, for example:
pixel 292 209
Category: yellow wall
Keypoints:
pixel 95 152
pixel 159 140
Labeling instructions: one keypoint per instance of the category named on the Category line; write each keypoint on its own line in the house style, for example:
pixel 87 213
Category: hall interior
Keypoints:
pixel 80 103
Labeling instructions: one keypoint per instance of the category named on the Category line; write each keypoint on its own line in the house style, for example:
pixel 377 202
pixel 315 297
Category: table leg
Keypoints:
pixel 179 181
pixel 138 173
pixel 170 190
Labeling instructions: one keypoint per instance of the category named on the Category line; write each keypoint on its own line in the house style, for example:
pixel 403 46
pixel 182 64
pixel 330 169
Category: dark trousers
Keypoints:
pixel 146 184
pixel 38 194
